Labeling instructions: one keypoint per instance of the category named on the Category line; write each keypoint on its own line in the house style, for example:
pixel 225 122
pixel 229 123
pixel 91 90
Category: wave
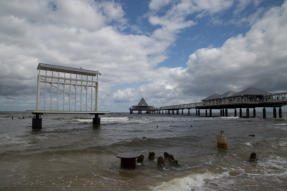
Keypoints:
pixel 274 165
pixel 195 181
pixel 106 120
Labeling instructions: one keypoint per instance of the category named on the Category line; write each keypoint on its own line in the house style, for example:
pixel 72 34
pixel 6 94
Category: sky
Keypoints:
pixel 167 51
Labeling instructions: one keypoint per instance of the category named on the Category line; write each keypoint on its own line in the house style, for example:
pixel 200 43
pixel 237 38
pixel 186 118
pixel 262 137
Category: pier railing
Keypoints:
pixel 277 99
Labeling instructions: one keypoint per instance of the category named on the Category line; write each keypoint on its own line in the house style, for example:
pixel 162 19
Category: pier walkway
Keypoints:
pixel 247 99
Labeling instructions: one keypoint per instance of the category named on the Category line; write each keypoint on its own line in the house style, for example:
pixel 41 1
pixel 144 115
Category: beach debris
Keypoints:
pixel 169 157
pixel 140 159
pixel 174 162
pixel 253 157
pixel 251 135
pixel 166 155
pixel 160 162
pixel 128 160
pixel 221 140
pixel 151 156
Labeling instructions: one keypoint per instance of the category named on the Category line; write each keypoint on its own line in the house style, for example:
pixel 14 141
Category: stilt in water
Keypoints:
pixel 264 113
pixel 274 112
pixel 96 121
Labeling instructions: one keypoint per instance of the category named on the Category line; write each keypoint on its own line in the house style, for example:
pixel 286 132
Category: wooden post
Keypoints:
pixel 280 112
pixel 254 112
pixel 226 112
pixel 274 112
pixel 96 121
pixel 205 112
pixel 210 112
pixel 240 112
pixel 235 112
pixel 247 112
pixel 37 121
pixel 264 113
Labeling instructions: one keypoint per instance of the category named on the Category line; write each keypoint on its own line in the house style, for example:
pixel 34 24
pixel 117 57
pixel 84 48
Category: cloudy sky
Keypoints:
pixel 167 51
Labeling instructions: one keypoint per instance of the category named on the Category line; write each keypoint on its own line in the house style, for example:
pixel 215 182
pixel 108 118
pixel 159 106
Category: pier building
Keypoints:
pixel 242 103
pixel 142 106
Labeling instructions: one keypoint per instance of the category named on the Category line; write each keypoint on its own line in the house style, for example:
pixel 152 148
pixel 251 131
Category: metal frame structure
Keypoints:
pixel 76 89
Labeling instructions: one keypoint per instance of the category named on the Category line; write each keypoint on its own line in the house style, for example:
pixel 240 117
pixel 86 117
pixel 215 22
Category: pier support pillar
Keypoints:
pixel 280 112
pixel 131 111
pixel 198 113
pixel 240 112
pixel 172 112
pixel 168 112
pixel 210 112
pixel 254 112
pixel 182 111
pixel 205 112
pixel 247 112
pixel 188 111
pixel 235 112
pixel 37 122
pixel 177 112
pixel 226 112
pixel 221 112
pixel 264 113
pixel 96 121
pixel 274 112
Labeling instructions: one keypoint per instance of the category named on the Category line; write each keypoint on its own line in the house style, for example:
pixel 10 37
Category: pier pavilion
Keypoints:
pixel 241 102
pixel 142 106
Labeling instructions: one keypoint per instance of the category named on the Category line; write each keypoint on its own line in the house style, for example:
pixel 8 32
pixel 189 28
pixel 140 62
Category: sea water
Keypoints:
pixel 69 154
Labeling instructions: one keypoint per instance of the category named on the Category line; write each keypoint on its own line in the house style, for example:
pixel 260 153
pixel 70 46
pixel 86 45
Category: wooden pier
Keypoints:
pixel 242 104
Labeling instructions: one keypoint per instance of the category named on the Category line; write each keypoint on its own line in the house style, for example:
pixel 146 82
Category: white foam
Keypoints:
pixel 191 182
pixel 115 119
pixel 6 139
pixel 248 144
pixel 84 120
pixel 106 120
pixel 229 117
pixel 281 124
pixel 275 165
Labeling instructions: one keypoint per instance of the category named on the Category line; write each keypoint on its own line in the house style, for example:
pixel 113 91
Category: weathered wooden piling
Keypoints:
pixel 37 121
pixel 274 112
pixel 280 112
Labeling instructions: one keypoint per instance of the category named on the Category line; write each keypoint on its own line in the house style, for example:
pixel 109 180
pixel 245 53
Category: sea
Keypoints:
pixel 69 154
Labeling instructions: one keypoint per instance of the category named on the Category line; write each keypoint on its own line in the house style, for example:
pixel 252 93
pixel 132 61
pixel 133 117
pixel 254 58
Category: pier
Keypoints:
pixel 142 107
pixel 66 90
pixel 242 104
